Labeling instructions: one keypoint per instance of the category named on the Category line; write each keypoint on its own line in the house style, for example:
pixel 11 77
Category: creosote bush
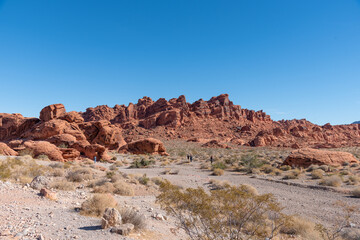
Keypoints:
pixel 218 172
pixel 317 174
pixel 96 205
pixel 333 181
pixel 228 213
pixel 131 216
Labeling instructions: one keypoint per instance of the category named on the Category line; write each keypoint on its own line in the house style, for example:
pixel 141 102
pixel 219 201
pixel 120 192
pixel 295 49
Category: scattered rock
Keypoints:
pixel 143 146
pixel 39 182
pixel 48 194
pixel 110 218
pixel 123 229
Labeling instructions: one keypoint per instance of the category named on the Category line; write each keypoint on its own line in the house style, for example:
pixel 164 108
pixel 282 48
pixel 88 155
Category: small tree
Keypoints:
pixel 229 213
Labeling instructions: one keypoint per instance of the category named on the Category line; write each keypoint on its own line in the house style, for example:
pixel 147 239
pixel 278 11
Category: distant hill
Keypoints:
pixel 357 122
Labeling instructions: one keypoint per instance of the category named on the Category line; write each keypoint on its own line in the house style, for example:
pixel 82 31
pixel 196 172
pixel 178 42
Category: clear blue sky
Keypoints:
pixel 291 58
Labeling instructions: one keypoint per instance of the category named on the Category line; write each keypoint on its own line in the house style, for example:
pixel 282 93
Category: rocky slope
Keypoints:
pixel 69 135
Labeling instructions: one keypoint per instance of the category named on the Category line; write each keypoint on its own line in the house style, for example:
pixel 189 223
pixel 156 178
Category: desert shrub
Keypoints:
pixel 122 188
pixel 353 180
pixel 277 172
pixel 251 161
pixel 249 189
pixel 118 163
pixel 116 177
pixel 96 205
pixel 63 185
pixel 345 217
pixel 157 180
pixel 219 165
pixel 312 167
pixel 301 227
pixel 43 157
pixel 110 174
pixel 266 168
pixel 166 171
pixel 294 174
pixel 79 175
pixel 356 192
pixel 131 216
pixel 218 172
pixel 142 163
pixel 217 184
pixel 344 172
pixel 21 169
pixel 144 180
pixel 58 172
pixel 107 187
pixel 285 168
pixel 27 152
pixel 317 174
pixel 325 168
pixel 229 213
pixel 333 181
pixel 205 166
pixel 56 165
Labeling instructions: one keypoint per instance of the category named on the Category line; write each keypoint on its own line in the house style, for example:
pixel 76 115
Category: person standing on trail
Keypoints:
pixel 191 158
pixel 211 160
pixel 95 159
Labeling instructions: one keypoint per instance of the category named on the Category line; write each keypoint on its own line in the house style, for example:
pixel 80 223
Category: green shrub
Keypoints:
pixel 142 163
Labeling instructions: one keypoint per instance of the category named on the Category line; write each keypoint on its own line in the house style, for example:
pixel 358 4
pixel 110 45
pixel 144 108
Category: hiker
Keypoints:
pixel 211 160
pixel 187 156
pixel 191 158
pixel 95 159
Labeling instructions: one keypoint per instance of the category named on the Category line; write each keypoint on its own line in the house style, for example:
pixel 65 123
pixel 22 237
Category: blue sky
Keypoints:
pixel 293 59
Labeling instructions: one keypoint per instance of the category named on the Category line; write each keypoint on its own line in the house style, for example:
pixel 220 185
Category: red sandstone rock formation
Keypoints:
pixel 143 146
pixel 46 148
pixel 306 157
pixel 103 128
pixel 6 150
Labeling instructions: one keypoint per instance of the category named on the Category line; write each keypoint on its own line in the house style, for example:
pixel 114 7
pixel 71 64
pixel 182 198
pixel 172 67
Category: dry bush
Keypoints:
pixel 131 216
pixel 63 185
pixel 116 177
pixel 21 169
pixel 217 184
pixel 229 213
pixel 356 192
pixel 80 175
pixel 333 181
pixel 312 168
pixel 96 205
pixel 301 227
pixel 249 189
pixel 325 168
pixel 157 180
pixel 97 182
pixel 285 168
pixel 353 180
pixel 294 174
pixel 341 221
pixel 43 157
pixel 58 172
pixel 317 174
pixel 124 189
pixel 218 172
pixel 205 165
pixel 107 187
pixel 267 168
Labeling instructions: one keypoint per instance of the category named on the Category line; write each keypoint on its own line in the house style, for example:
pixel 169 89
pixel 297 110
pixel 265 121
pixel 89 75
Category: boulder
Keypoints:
pixel 48 194
pixel 110 218
pixel 70 153
pixel 51 112
pixel 62 140
pixel 6 150
pixel 46 148
pixel 72 117
pixel 215 144
pixel 92 150
pixel 306 156
pixel 144 146
pixel 39 182
pixel 123 229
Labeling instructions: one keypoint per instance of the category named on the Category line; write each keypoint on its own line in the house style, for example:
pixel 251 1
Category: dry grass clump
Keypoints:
pixel 218 172
pixel 353 180
pixel 58 172
pixel 205 166
pixel 131 216
pixel 312 167
pixel 333 181
pixel 317 174
pixel 301 227
pixel 56 165
pixel 356 192
pixel 124 189
pixel 21 169
pixel 80 175
pixel 157 180
pixel 96 205
pixel 285 168
pixel 267 168
pixel 249 189
pixel 325 168
pixel 63 185
pixel 107 187
pixel 294 174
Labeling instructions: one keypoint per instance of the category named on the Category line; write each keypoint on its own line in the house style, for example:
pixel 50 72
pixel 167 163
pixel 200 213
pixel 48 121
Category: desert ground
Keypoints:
pixel 27 215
